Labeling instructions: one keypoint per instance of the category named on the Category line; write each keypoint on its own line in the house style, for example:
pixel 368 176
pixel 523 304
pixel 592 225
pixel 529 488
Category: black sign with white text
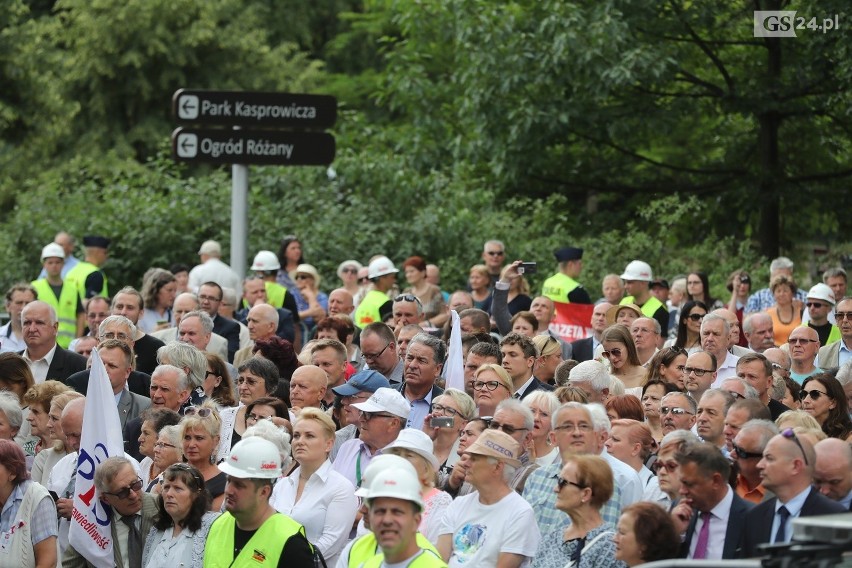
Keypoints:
pixel 225 146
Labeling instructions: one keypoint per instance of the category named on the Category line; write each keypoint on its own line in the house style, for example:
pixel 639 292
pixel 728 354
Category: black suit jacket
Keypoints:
pixel 758 521
pixel 137 382
pixel 64 364
pixel 583 349
pixel 733 533
pixel 536 385
pixel 230 330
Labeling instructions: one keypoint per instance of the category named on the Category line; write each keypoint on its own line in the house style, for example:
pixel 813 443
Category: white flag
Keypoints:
pixel 101 438
pixel 454 373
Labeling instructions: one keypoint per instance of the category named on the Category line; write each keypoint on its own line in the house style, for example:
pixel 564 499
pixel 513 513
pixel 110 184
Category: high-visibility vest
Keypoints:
pixel 558 286
pixel 65 306
pixel 833 335
pixel 426 559
pixel 78 275
pixel 275 294
pixel 366 548
pixel 368 309
pixel 649 308
pixel 264 548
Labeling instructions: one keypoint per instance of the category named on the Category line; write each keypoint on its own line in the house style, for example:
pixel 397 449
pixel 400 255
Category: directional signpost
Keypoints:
pixel 245 127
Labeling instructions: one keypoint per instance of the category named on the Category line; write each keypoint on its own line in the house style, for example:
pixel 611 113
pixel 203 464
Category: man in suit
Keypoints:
pixel 709 513
pixel 46 359
pixel 114 328
pixel 584 349
pixel 183 304
pixel 209 297
pixel 117 358
pixel 787 470
pixel 837 353
pixel 133 513
pixel 424 360
pixel 519 357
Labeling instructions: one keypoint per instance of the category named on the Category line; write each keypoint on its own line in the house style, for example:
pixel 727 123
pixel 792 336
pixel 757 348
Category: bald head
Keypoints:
pixel 262 321
pixel 72 422
pixel 833 470
pixel 340 301
pixel 307 386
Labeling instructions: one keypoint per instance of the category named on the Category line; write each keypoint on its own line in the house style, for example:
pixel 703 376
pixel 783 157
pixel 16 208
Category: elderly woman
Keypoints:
pixel 786 314
pixel 16 377
pixel 524 322
pixel 38 399
pixel 47 458
pixel 11 416
pixel 159 288
pixel 543 405
pixel 491 385
pixel 550 356
pixel 258 378
pixel 308 280
pixel 167 451
pixel 153 420
pixel 459 407
pixel 623 358
pixel 631 442
pixel 823 398
pixel 645 534
pixel 479 281
pixel 200 432
pixel 183 521
pixel 416 447
pixel 584 485
pixel 347 271
pixel 315 495
pixel 666 466
pixel 28 522
pixel 430 296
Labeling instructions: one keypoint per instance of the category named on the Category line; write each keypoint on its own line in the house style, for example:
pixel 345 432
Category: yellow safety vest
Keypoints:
pixel 833 335
pixel 426 559
pixel 366 549
pixel 368 309
pixel 264 548
pixel 78 275
pixel 275 294
pixel 65 306
pixel 558 286
pixel 649 308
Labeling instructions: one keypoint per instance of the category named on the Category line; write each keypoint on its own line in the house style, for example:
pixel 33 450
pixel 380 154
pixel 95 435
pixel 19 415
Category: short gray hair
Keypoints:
pixel 172 433
pixel 183 380
pixel 108 469
pixel 750 391
pixel 765 428
pixel 204 317
pixel 119 320
pixel 516 406
pixel 781 263
pixel 592 372
pixel 599 418
pixel 748 323
pixel 716 317
pixel 185 356
pixel 279 436
pixel 439 348
pixel 693 405
pixel 11 407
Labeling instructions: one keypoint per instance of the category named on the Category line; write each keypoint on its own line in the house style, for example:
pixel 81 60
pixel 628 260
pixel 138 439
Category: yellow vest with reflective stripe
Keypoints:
pixel 264 548
pixel 366 549
pixel 368 309
pixel 65 306
pixel 648 309
pixel 558 286
pixel 78 275
pixel 275 294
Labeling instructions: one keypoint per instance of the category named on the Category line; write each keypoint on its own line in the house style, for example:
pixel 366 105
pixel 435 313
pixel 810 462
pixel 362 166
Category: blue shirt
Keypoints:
pixel 794 507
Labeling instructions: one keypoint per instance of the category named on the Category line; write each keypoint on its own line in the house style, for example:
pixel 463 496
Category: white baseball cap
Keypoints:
pixel 386 400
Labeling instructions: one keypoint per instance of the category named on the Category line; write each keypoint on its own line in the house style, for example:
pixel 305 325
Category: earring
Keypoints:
pixel 212 459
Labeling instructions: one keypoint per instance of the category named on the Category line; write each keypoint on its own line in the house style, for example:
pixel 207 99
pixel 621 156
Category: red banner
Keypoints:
pixel 572 321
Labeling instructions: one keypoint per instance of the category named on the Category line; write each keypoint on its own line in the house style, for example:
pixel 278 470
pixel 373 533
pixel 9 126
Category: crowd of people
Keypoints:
pixel 267 421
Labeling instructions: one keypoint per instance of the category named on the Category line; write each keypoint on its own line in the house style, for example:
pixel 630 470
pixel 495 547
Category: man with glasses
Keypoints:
pixel 184 304
pixel 833 470
pixel 563 286
pixel 709 514
pixel 117 358
pixel 378 348
pixel 699 374
pixel 734 336
pixel 128 303
pixel 756 370
pixel 759 332
pixel 381 418
pixel 787 469
pixel 134 512
pixel 209 298
pixel 715 333
pixel 46 358
pixel 646 336
pixel 357 389
pixel 747 450
pixel 804 347
pixel 837 353
pixel 819 314
pixel 677 412
pixel 592 378
pixel 97 309
pixel 493 256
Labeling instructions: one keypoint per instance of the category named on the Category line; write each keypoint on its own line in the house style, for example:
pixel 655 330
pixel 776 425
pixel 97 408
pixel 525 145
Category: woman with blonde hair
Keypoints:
pixel 550 356
pixel 200 440
pixel 543 405
pixel 49 457
pixel 491 385
pixel 479 280
pixel 460 407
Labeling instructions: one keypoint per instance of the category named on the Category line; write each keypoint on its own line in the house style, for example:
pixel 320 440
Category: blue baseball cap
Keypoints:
pixel 366 380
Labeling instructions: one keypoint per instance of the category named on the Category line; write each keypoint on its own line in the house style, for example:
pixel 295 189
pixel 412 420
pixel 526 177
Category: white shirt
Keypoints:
pixel 39 367
pixel 626 478
pixel 214 270
pixel 9 342
pixel 718 527
pixel 326 508
pixel 726 369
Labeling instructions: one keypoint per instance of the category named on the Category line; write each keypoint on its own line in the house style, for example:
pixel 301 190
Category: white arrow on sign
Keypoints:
pixel 188 107
pixel 187 145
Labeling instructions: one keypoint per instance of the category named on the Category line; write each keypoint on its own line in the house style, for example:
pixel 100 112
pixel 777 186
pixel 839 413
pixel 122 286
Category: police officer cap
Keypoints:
pixel 568 253
pixel 95 241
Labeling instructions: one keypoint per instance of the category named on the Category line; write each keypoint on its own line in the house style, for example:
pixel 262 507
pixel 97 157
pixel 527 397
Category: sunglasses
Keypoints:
pixel 407 298
pixel 125 493
pixel 791 435
pixel 816 305
pixel 801 341
pixel 561 482
pixel 616 352
pixel 180 466
pixel 741 453
pixel 813 393
pixel 669 466
pixel 495 253
pixel 349 270
pixel 494 425
pixel 843 316
pixel 674 410
pixel 696 317
pixel 196 411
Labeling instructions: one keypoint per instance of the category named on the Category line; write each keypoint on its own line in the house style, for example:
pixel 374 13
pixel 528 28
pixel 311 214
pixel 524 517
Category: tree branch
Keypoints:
pixel 706 49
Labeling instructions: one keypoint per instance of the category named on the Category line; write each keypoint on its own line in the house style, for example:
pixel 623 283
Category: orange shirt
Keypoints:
pixel 753 495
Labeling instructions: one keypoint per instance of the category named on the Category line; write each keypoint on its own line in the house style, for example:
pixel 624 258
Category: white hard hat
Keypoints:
pixel 822 292
pixel 52 250
pixel 381 463
pixel 398 483
pixel 638 270
pixel 265 261
pixel 253 458
pixel 381 266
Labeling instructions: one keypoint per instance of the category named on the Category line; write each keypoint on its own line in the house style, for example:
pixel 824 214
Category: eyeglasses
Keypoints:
pixel 676 349
pixel 162 445
pixel 843 315
pixel 125 493
pixel 303 276
pixel 736 395
pixel 209 299
pixel 569 427
pixel 256 417
pixel 696 317
pixel 669 466
pixel 111 335
pixel 208 373
pixel 615 352
pixel 698 372
pixel 445 410
pixel 247 381
pixel 813 393
pixel 490 386
pixel 494 425
pixel 375 355
pixel 801 341
pixel 201 412
pixel 791 435
pixel 367 416
pixel 778 367
pixel 561 482
pixel 350 270
pixel 495 253
pixel 743 454
pixel 408 298
pixel 816 305
pixel 674 410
